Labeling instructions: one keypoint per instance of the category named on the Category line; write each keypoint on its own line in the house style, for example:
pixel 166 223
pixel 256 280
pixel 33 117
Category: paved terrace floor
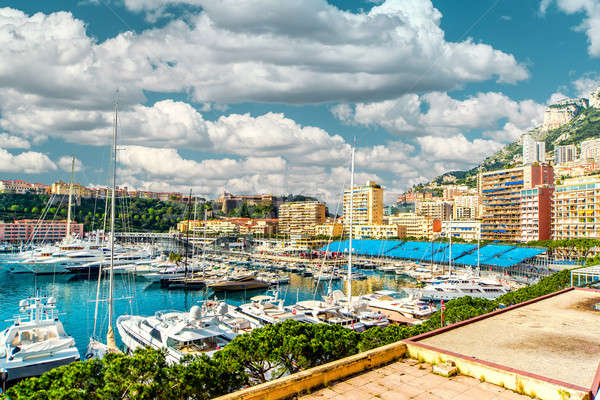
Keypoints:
pixel 409 379
pixel 557 338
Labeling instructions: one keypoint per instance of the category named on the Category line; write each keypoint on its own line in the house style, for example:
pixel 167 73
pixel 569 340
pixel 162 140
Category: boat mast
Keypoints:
pixel 350 239
pixel 110 338
pixel 187 235
pixel 68 237
pixel 450 255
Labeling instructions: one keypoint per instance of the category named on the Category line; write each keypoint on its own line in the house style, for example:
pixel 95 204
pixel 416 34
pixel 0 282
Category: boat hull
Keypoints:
pixel 25 370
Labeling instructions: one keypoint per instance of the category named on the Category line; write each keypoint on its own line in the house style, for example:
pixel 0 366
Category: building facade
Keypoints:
pixel 367 205
pixel 536 213
pixel 465 207
pixel 565 154
pixel 436 209
pixel 34 230
pixel 576 209
pixel 378 231
pixel 301 217
pixel 329 230
pixel 21 187
pixel 467 230
pixel 417 225
pixel 590 150
pixel 533 151
pixel 501 199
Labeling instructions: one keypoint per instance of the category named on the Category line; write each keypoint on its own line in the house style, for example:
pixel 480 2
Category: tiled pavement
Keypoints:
pixel 409 379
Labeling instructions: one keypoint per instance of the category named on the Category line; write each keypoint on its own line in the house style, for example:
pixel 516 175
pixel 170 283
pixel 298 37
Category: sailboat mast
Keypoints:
pixel 351 222
pixel 68 238
pixel 450 255
pixel 112 232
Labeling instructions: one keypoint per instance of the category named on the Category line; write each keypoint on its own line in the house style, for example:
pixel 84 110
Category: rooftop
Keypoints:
pixel 409 379
pixel 556 338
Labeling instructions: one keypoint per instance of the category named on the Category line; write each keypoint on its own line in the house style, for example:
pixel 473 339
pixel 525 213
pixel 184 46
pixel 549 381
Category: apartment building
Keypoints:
pixel 436 209
pixel 367 205
pixel 62 188
pixel 565 154
pixel 452 191
pixel 590 150
pixel 501 199
pixel 329 230
pixel 576 209
pixel 379 231
pixel 34 230
pixel 575 168
pixel 536 213
pixel 417 225
pixel 533 151
pixel 21 187
pixel 301 217
pixel 466 207
pixel 412 197
pixel 467 230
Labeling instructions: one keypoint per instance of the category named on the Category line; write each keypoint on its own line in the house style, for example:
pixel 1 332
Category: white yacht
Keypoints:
pixel 358 309
pixel 268 309
pixel 391 300
pixel 456 287
pixel 37 341
pixel 199 331
pixel 320 312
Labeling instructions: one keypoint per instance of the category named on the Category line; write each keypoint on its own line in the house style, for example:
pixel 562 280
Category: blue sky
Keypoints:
pixel 268 96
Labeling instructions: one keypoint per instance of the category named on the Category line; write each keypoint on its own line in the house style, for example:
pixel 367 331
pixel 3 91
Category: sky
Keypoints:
pixel 270 96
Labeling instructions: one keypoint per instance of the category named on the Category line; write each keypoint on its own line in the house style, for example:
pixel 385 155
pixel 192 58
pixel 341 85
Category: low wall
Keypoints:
pixel 322 375
pixel 518 381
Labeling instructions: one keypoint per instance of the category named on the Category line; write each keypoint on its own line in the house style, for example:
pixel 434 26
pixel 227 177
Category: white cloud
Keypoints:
pixel 13 142
pixel 590 23
pixel 457 148
pixel 586 84
pixel 29 162
pixel 447 116
pixel 65 163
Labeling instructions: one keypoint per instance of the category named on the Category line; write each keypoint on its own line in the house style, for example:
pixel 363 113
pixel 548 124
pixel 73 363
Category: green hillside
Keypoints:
pixel 585 125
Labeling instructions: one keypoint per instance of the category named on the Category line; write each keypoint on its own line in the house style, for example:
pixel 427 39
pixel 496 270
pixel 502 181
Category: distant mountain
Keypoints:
pixel 583 123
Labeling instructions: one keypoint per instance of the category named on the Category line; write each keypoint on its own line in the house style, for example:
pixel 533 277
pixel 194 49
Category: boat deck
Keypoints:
pixel 557 338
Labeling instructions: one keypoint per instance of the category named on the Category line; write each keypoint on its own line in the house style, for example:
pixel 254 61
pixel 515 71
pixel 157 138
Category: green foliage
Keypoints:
pixel 143 375
pixel 135 215
pixel 263 354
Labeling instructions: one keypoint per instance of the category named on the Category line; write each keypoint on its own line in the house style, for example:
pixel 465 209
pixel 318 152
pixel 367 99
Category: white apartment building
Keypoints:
pixel 533 151
pixel 590 150
pixel 466 207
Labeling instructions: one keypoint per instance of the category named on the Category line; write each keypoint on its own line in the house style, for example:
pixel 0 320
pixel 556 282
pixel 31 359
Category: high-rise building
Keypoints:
pixel 300 217
pixel 576 211
pixel 590 150
pixel 436 209
pixel 565 154
pixel 536 213
pixel 501 198
pixel 465 207
pixel 367 205
pixel 533 151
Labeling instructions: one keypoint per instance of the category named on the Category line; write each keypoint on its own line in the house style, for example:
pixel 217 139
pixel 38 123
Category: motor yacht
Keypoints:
pixel 320 312
pixel 199 331
pixel 37 341
pixel 456 287
pixel 269 309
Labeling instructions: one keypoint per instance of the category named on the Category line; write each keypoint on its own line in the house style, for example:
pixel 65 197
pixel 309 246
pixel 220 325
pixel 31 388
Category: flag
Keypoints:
pixel 443 305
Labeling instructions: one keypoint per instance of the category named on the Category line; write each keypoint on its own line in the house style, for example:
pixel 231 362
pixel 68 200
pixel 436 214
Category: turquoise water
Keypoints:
pixel 76 297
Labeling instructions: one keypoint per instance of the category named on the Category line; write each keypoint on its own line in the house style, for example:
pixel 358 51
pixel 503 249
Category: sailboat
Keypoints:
pixel 353 308
pixel 97 349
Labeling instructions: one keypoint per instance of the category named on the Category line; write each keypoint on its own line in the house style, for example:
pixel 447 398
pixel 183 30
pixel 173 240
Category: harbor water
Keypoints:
pixel 76 297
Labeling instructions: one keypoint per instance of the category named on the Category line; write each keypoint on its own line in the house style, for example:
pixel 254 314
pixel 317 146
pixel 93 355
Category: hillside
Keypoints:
pixel 585 125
